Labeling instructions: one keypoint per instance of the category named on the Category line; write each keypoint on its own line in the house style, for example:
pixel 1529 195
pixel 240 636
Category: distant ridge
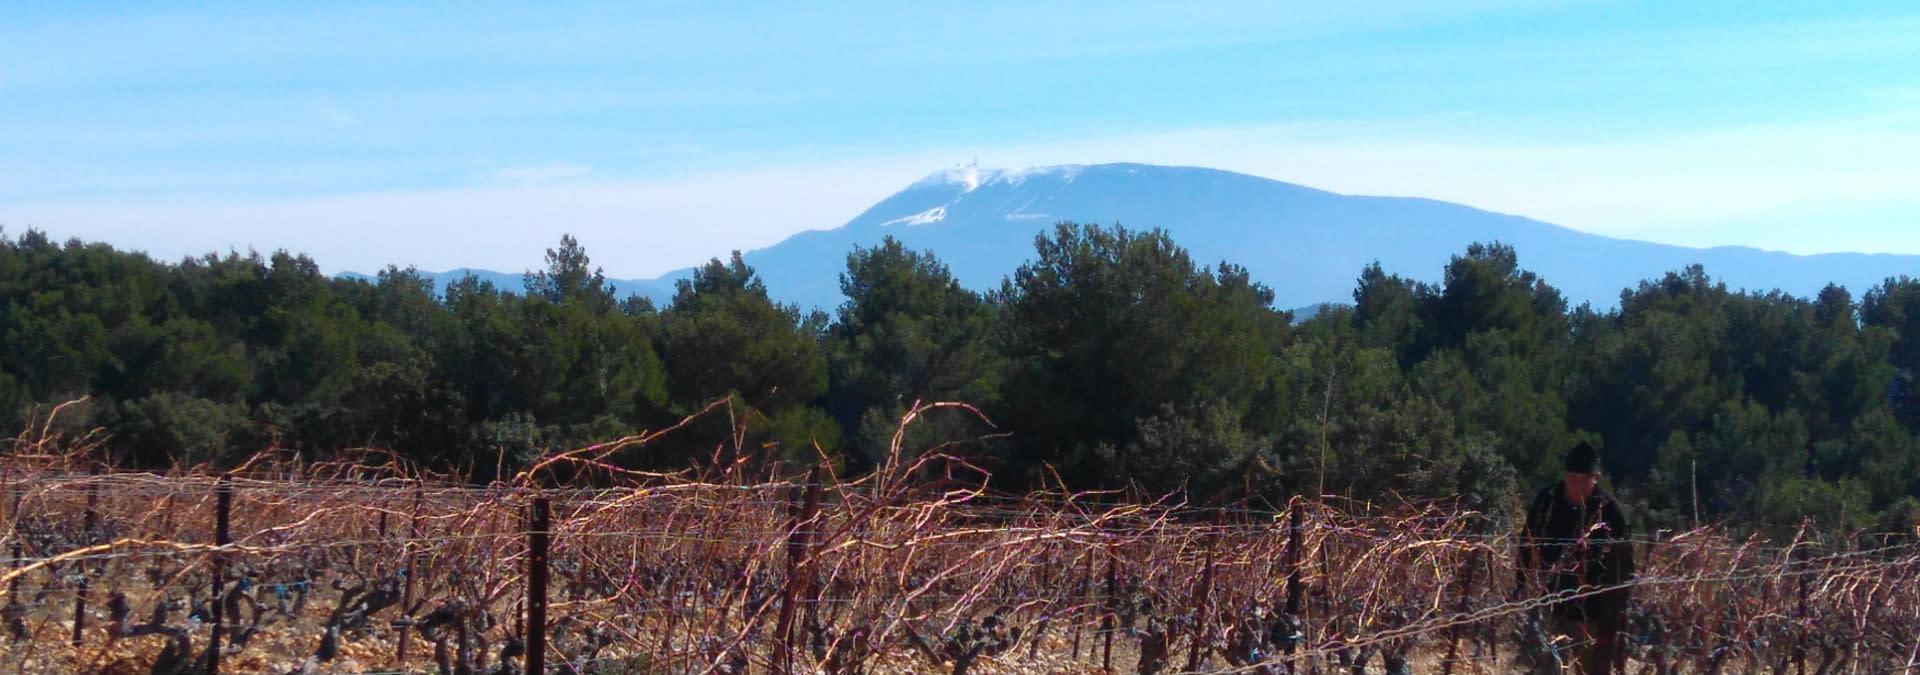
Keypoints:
pixel 516 282
pixel 1309 245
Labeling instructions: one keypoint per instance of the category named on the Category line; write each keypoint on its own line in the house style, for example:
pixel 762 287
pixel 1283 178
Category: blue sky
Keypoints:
pixel 662 133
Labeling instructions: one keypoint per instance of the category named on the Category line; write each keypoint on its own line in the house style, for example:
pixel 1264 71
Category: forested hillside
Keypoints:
pixel 1110 359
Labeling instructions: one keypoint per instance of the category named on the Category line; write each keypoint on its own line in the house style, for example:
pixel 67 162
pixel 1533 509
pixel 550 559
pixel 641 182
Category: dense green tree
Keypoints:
pixel 1487 292
pixel 567 278
pixel 1892 310
pixel 1365 427
pixel 908 332
pixel 1510 330
pixel 1386 310
pixel 172 427
pixel 1110 358
pixel 723 336
pixel 1107 328
pixel 401 395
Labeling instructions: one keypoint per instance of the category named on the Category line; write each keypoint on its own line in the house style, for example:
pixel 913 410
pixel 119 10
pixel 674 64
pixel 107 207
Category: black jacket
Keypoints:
pixel 1573 546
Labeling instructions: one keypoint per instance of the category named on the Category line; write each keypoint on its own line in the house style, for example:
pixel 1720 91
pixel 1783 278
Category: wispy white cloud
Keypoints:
pixel 671 149
pixel 1851 182
pixel 542 174
pixel 632 228
pixel 1664 188
pixel 383 37
pixel 335 115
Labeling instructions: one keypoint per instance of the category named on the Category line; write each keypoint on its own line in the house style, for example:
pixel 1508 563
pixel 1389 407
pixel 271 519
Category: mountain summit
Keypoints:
pixel 1309 245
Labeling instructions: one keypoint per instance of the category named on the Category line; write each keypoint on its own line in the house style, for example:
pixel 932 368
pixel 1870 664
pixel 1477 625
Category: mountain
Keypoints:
pixel 1309 245
pixel 516 281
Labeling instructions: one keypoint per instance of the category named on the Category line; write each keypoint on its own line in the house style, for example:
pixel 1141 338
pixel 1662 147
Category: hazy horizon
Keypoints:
pixel 662 136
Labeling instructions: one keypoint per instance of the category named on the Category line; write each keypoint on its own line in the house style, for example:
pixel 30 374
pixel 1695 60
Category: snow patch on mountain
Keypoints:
pixel 971 177
pixel 1065 172
pixel 1020 212
pixel 927 217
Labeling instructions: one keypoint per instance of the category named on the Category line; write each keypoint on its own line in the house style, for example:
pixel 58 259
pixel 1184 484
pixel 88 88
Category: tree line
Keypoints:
pixel 1110 359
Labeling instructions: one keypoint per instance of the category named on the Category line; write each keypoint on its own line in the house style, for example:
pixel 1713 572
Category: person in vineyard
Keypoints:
pixel 1578 541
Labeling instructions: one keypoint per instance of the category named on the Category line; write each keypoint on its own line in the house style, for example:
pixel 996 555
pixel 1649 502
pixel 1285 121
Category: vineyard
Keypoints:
pixel 353 567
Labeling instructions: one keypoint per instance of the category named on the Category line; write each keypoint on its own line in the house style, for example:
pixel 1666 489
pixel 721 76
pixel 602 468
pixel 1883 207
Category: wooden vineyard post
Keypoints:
pixel 796 553
pixel 13 533
pixel 1493 646
pixel 538 525
pixel 407 569
pixel 1046 581
pixel 1466 591
pixel 1295 595
pixel 1086 592
pixel 88 537
pixel 664 652
pixel 13 587
pixel 1325 597
pixel 809 594
pixel 1800 642
pixel 1200 595
pixel 223 508
pixel 1110 623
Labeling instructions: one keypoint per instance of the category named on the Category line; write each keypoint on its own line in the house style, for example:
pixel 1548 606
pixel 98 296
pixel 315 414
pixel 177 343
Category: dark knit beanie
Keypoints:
pixel 1582 459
